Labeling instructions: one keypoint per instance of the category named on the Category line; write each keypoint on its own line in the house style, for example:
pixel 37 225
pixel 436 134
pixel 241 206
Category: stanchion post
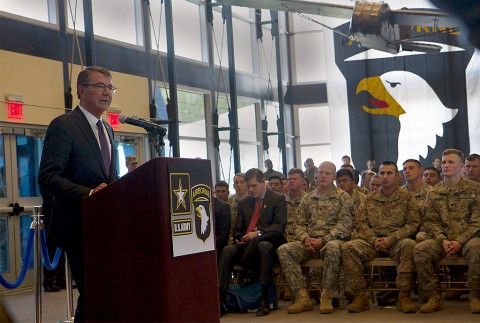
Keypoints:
pixel 37 224
pixel 68 283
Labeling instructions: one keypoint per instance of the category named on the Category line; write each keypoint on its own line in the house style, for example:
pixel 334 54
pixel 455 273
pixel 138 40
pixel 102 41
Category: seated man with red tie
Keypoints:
pixel 259 231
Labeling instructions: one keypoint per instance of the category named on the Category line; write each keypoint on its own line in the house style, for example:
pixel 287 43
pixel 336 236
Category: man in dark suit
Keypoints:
pixel 222 225
pixel 78 160
pixel 259 231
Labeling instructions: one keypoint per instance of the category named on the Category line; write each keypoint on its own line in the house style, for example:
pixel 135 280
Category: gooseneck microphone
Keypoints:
pixel 145 124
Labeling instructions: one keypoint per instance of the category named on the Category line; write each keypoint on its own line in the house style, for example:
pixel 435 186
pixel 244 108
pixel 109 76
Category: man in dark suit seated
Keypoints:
pixel 259 231
pixel 222 225
pixel 79 160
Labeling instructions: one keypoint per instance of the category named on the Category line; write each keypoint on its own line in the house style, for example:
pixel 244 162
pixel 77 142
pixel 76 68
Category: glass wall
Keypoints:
pixel 271 111
pixel 248 139
pixel 191 116
pixel 34 9
pixel 116 19
pixel 315 135
pixel 29 152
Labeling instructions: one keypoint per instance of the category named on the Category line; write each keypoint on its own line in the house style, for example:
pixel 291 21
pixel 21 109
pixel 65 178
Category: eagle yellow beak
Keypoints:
pixel 382 98
pixel 197 212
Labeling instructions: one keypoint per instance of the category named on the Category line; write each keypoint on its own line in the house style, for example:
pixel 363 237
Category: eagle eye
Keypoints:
pixel 393 84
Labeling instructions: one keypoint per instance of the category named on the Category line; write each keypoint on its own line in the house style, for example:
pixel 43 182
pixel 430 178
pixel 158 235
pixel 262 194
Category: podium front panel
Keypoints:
pixel 131 272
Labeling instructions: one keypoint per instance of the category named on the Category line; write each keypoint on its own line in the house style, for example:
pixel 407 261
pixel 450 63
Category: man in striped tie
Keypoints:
pixel 259 231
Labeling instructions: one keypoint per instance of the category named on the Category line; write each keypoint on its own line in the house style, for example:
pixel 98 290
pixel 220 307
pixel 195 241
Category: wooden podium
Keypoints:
pixel 131 274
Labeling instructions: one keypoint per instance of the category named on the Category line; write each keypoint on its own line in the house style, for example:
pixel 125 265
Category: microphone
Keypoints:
pixel 145 124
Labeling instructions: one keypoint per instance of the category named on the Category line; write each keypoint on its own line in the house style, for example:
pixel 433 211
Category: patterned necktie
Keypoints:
pixel 256 215
pixel 104 147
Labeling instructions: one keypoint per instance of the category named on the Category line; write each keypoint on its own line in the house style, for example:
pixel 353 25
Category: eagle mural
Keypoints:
pixel 406 106
pixel 412 100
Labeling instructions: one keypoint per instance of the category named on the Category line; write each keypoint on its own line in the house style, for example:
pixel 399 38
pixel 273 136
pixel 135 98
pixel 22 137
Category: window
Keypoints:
pixel 271 111
pixel 315 136
pixel 191 116
pixel 121 24
pixel 35 9
pixel 247 134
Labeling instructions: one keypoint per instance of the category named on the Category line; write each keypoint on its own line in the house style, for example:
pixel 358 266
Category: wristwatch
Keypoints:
pixel 259 233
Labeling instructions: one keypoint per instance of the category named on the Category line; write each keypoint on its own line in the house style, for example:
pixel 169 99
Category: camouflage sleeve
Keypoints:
pixel 474 224
pixel 300 223
pixel 412 222
pixel 362 226
pixel 346 214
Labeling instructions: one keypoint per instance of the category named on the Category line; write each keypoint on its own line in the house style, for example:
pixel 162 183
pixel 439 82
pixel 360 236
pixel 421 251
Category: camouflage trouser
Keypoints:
pixel 289 231
pixel 422 236
pixel 428 251
pixel 356 252
pixel 292 254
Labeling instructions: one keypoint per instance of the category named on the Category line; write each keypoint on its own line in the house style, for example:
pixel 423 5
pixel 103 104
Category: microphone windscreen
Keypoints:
pixel 123 119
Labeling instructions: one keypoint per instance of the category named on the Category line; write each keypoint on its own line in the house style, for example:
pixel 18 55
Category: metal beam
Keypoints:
pixel 281 123
pixel 233 89
pixel 90 54
pixel 172 80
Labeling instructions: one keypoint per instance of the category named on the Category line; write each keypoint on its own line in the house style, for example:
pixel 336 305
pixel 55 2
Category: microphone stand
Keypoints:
pixel 155 137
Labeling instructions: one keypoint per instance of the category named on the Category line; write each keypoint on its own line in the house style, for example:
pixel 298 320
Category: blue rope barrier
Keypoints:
pixel 28 252
pixel 46 258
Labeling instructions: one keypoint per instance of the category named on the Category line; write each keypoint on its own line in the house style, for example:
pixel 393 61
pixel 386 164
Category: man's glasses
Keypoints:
pixel 321 173
pixel 102 87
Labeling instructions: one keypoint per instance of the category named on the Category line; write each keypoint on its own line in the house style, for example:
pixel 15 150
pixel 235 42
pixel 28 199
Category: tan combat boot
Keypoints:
pixel 475 301
pixel 360 303
pixel 434 303
pixel 302 302
pixel 326 306
pixel 405 303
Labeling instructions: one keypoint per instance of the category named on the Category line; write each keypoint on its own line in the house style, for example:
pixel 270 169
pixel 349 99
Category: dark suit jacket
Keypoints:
pixel 223 220
pixel 272 221
pixel 71 167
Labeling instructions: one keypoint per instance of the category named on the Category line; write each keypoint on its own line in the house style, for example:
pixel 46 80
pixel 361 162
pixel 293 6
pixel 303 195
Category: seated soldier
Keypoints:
pixel 275 184
pixel 323 222
pixel 431 176
pixel 452 220
pixel 385 223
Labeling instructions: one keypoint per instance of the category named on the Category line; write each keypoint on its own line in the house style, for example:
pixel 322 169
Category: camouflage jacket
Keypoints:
pixel 453 213
pixel 327 215
pixel 292 207
pixel 358 198
pixel 395 216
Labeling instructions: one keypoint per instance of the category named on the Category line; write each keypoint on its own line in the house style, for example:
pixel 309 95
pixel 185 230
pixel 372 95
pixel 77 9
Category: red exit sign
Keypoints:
pixel 14 110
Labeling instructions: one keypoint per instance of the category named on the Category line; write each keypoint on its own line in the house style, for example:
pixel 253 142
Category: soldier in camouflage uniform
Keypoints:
pixel 293 197
pixel 344 181
pixel 355 186
pixel 385 223
pixel 241 191
pixel 452 219
pixel 324 221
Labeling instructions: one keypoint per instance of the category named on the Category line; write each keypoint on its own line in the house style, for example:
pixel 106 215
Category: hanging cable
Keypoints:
pixel 221 80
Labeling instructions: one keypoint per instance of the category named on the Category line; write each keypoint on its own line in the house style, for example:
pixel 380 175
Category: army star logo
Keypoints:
pixel 180 193
pixel 180 201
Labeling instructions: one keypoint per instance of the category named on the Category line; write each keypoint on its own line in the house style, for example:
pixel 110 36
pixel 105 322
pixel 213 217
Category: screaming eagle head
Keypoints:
pixel 412 100
pixel 202 214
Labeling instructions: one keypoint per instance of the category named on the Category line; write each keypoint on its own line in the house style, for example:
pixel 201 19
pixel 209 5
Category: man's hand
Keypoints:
pixel 98 188
pixel 381 244
pixel 240 243
pixel 313 244
pixel 249 236
pixel 451 248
